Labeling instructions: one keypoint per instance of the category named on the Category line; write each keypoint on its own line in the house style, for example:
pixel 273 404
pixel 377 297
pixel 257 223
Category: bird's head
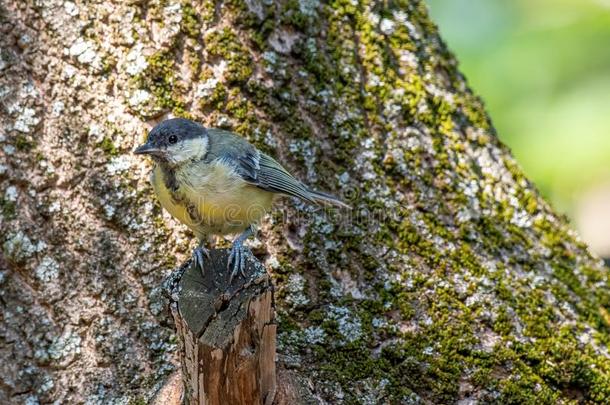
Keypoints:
pixel 175 141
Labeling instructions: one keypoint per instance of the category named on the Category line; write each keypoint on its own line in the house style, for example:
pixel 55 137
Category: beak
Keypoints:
pixel 147 149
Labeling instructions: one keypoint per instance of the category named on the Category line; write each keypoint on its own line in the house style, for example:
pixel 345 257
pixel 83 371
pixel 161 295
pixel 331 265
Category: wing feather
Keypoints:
pixel 259 169
pixel 273 177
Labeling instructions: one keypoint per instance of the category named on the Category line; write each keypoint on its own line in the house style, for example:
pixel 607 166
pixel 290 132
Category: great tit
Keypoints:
pixel 217 183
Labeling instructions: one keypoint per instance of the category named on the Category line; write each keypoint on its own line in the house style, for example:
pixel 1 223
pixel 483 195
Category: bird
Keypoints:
pixel 217 183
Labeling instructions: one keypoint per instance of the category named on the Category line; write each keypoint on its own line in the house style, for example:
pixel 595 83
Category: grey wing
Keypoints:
pixel 255 167
pixel 272 176
pixel 235 151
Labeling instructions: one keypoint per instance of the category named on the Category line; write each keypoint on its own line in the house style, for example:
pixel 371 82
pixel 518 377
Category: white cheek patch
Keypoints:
pixel 189 149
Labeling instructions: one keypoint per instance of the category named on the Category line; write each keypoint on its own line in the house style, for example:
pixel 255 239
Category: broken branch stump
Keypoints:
pixel 227 332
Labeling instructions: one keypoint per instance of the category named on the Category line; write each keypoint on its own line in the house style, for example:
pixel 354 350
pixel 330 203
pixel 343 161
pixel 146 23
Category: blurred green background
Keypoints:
pixel 543 70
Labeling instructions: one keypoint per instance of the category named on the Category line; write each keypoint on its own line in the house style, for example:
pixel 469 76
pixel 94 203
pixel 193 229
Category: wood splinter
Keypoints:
pixel 227 332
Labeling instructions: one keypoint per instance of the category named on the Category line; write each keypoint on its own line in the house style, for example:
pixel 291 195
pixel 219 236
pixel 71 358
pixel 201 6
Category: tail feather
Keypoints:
pixel 324 198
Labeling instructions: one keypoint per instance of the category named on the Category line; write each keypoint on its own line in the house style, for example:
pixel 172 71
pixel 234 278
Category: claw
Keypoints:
pixel 236 260
pixel 198 254
pixel 236 257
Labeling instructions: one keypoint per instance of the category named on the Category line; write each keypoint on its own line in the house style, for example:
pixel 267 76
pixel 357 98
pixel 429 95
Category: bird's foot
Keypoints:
pixel 198 254
pixel 237 260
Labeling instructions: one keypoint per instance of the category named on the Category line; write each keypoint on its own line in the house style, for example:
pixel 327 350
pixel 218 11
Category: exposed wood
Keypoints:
pixel 227 332
pixel 170 393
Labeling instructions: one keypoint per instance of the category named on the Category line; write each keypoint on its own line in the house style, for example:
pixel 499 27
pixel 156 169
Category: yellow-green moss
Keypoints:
pixel 159 79
pixel 7 208
pixel 108 147
pixel 191 25
pixel 225 44
pixel 24 144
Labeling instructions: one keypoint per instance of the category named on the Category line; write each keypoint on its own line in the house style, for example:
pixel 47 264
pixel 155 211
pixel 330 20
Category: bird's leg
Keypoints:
pixel 237 252
pixel 199 252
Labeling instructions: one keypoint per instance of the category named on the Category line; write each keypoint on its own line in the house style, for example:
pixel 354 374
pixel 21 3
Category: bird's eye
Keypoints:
pixel 173 139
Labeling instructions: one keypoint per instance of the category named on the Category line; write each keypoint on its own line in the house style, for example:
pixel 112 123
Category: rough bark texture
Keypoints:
pixel 451 279
pixel 227 332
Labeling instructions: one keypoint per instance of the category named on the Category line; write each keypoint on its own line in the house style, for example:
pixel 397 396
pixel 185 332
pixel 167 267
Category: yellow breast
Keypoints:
pixel 212 199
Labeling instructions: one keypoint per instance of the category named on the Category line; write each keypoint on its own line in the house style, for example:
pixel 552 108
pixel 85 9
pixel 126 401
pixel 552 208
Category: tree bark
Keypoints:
pixel 226 332
pixel 450 280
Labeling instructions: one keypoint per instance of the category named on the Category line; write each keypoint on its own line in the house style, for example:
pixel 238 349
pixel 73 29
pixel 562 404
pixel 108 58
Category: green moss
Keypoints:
pixel 225 44
pixel 108 64
pixel 108 147
pixel 159 79
pixel 23 144
pixel 208 10
pixel 3 14
pixel 7 208
pixel 216 100
pixel 262 33
pixel 190 24
pixel 291 15
pixel 194 63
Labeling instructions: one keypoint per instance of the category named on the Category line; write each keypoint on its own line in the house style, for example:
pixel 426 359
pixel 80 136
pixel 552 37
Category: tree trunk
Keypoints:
pixel 450 280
